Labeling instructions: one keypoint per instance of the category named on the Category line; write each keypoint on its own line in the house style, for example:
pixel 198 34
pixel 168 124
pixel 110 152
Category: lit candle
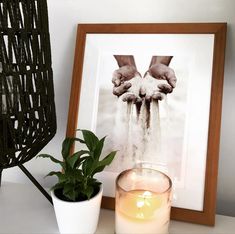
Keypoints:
pixel 142 202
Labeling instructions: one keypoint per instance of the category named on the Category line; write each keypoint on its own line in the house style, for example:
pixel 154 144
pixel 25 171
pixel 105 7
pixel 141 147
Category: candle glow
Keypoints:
pixel 142 211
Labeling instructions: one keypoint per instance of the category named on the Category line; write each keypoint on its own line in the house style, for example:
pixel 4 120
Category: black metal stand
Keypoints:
pixel 34 181
pixel 0 176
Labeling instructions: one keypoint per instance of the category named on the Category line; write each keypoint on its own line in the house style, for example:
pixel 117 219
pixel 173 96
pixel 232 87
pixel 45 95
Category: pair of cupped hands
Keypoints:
pixel 158 81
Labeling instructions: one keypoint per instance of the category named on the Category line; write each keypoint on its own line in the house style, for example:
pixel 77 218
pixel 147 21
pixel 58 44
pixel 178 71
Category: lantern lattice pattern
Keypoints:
pixel 27 108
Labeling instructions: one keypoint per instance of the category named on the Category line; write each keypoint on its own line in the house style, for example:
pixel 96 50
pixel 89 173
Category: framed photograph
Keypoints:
pixel 155 91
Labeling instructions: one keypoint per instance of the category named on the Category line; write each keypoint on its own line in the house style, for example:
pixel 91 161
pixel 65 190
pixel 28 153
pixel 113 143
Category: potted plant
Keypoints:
pixel 77 195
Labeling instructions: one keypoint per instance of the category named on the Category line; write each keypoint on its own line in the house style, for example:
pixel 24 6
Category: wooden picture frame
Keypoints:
pixel 217 34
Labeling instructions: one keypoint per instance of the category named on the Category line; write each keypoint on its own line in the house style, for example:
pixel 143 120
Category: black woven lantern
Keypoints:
pixel 27 108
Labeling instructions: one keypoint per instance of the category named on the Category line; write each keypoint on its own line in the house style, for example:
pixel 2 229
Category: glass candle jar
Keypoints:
pixel 143 202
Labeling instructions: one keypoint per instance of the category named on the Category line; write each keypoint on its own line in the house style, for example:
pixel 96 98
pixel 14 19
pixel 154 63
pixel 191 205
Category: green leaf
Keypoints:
pixel 98 148
pixel 90 139
pixel 78 175
pixel 87 166
pixel 70 192
pixel 59 174
pixel 103 163
pixel 66 146
pixel 107 160
pixel 93 182
pixel 80 140
pixel 72 176
pixel 76 159
pixel 52 159
pixel 98 169
pixel 58 186
pixel 88 191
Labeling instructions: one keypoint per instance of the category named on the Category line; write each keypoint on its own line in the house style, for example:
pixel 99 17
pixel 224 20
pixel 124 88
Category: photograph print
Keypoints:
pixel 134 111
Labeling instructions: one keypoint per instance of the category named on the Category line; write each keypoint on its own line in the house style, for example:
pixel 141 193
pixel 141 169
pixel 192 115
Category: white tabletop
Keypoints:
pixel 24 210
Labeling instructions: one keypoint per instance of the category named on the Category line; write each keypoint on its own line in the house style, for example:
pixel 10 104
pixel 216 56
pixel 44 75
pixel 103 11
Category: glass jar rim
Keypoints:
pixel 144 168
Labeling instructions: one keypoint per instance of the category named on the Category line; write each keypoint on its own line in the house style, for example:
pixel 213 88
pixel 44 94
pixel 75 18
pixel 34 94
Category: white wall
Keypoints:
pixel 64 15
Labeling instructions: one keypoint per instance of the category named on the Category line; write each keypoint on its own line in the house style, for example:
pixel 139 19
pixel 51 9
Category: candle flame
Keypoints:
pixel 140 204
pixel 142 201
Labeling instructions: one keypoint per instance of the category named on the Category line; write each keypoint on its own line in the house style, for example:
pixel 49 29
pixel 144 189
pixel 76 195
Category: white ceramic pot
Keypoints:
pixel 77 217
